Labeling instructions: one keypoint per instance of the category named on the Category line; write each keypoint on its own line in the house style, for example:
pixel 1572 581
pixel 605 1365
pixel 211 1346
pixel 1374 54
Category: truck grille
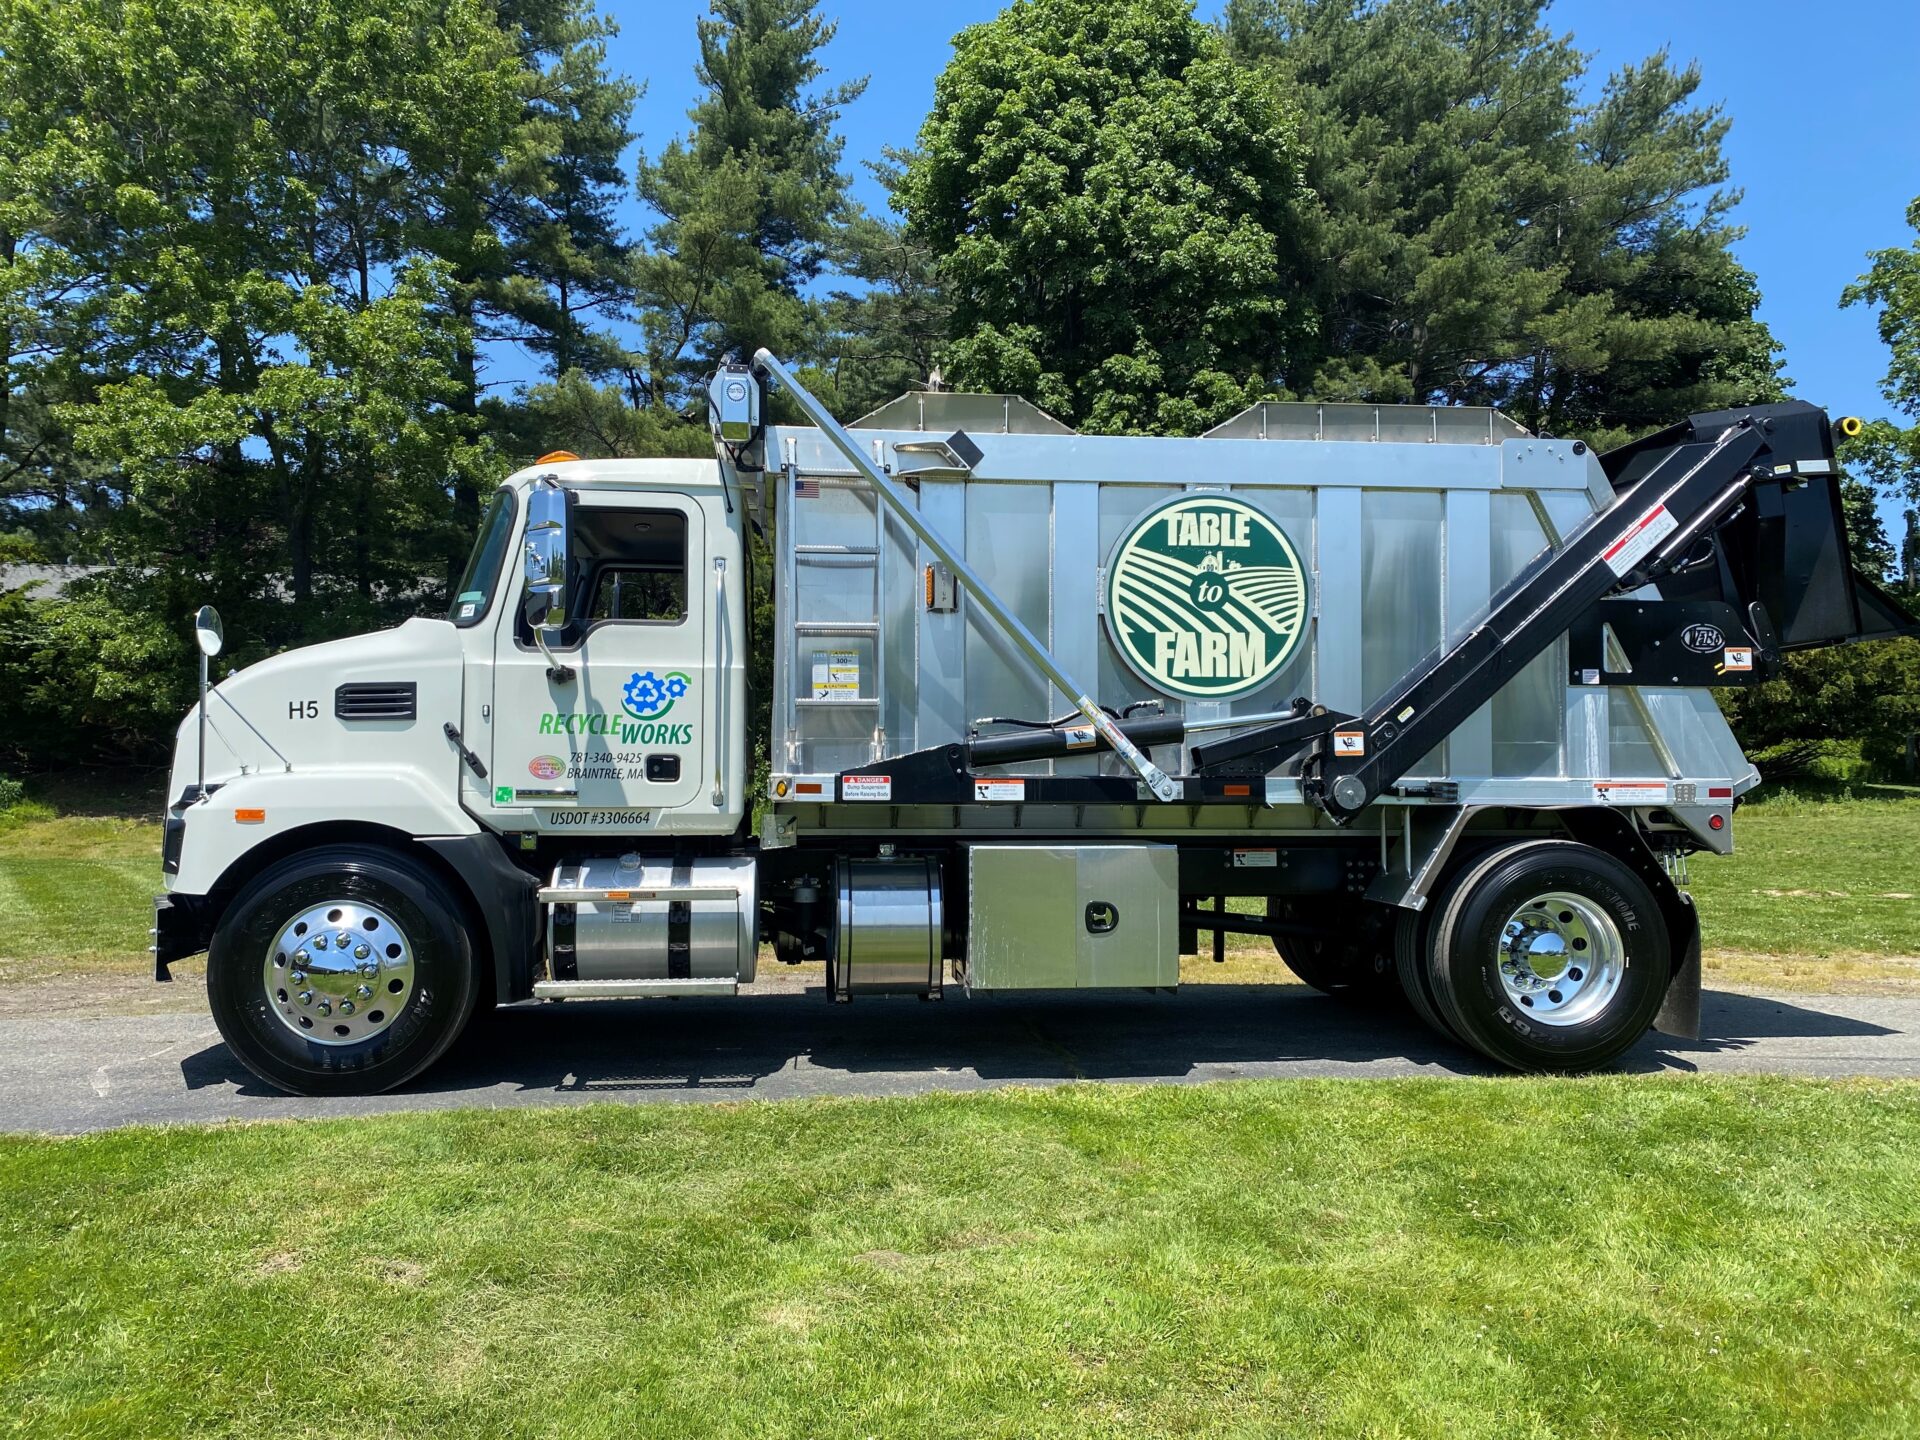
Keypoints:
pixel 377 700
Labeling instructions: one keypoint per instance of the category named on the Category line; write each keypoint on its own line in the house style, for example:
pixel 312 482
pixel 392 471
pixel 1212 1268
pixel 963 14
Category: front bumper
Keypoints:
pixel 182 926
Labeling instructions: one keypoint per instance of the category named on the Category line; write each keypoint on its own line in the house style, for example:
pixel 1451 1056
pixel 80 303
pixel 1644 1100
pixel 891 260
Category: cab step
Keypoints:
pixel 630 989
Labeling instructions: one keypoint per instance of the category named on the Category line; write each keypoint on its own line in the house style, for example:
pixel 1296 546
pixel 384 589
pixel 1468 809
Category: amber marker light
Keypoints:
pixel 249 817
pixel 556 457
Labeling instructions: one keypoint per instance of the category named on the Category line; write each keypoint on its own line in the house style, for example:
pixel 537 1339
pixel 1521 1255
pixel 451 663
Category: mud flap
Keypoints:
pixel 1680 1011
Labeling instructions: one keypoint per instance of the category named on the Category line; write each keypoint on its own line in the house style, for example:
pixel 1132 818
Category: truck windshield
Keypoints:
pixel 474 597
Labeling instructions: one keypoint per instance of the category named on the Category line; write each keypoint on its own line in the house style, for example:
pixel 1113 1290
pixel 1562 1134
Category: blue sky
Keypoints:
pixel 1825 103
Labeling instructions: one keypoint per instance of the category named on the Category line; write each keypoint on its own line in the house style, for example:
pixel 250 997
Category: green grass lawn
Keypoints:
pixel 1602 1257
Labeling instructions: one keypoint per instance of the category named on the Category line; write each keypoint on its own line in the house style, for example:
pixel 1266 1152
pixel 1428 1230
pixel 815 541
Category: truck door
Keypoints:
pixel 630 735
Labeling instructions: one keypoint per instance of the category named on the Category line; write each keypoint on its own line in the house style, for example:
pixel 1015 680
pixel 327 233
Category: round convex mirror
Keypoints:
pixel 207 631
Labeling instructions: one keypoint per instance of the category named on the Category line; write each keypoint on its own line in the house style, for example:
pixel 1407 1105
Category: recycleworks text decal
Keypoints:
pixel 1206 597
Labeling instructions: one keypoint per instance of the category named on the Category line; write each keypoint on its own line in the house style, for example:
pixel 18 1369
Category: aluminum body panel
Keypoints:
pixel 616 939
pixel 1408 542
pixel 1072 917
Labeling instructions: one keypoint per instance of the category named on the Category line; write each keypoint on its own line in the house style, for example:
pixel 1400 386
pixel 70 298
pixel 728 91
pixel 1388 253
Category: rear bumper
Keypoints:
pixel 182 926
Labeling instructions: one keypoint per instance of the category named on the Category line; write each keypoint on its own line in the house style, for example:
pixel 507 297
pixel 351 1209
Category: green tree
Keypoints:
pixel 884 338
pixel 1113 205
pixel 749 203
pixel 1887 453
pixel 262 375
pixel 562 261
pixel 1479 235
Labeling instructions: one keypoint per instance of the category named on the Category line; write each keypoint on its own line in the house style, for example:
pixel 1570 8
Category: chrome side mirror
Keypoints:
pixel 546 603
pixel 208 633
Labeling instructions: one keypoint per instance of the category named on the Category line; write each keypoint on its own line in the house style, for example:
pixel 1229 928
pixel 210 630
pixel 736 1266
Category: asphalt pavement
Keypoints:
pixel 68 1075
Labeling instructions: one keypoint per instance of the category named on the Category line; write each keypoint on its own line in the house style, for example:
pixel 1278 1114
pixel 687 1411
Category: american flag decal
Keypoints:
pixel 805 489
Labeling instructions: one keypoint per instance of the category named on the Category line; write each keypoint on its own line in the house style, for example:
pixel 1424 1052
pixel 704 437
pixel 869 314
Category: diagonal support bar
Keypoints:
pixel 1163 786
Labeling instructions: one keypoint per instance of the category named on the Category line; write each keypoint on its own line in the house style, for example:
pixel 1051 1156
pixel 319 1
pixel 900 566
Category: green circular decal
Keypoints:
pixel 1206 597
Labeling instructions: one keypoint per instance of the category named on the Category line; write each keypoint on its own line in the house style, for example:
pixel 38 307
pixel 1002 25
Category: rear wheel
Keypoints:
pixel 342 971
pixel 1352 961
pixel 1549 955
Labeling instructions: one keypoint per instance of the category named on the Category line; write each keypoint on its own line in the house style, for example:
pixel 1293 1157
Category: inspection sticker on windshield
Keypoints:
pixel 1630 792
pixel 866 787
pixel 1002 791
pixel 1633 547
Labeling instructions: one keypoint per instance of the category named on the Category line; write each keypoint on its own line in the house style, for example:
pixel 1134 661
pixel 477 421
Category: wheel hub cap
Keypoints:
pixel 339 972
pixel 1561 959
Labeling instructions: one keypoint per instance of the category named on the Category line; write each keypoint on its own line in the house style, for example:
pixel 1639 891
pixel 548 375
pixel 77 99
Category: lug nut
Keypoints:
pixel 300 957
pixel 361 952
pixel 340 940
pixel 319 942
pixel 346 1007
pixel 305 997
pixel 326 1007
pixel 299 977
pixel 365 992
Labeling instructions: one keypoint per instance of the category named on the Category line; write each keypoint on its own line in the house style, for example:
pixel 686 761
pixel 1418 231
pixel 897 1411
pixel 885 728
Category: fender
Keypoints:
pixel 255 809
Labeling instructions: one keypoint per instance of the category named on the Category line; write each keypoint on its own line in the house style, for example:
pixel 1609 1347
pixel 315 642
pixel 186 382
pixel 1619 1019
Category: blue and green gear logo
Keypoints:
pixel 648 696
pixel 1206 597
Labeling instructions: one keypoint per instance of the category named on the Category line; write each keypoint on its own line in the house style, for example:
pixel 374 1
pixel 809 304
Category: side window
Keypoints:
pixel 629 592
pixel 628 567
pixel 634 563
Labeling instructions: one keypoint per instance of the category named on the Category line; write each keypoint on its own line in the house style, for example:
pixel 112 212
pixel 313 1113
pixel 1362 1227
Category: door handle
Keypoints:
pixel 719 683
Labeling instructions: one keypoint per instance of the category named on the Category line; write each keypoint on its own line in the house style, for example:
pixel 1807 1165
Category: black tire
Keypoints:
pixel 442 987
pixel 1463 949
pixel 1410 964
pixel 1355 962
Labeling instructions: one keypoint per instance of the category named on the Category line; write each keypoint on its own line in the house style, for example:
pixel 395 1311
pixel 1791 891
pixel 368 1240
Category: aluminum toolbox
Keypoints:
pixel 1072 917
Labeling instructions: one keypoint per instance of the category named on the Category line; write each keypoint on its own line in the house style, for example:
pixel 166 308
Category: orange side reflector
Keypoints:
pixel 807 787
pixel 619 894
pixel 556 457
pixel 1236 789
pixel 249 817
pixel 929 587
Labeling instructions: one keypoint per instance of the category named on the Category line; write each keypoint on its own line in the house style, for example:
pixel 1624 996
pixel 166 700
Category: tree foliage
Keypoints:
pixel 1480 235
pixel 1113 204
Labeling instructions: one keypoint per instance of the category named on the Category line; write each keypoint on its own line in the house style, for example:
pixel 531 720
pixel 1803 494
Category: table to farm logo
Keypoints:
pixel 1206 597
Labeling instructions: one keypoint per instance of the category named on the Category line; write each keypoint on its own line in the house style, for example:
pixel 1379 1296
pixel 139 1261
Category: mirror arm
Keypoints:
pixel 556 672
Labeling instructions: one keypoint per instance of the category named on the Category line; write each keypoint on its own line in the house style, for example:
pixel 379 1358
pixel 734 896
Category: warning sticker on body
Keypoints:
pixel 1255 860
pixel 836 676
pixel 1634 546
pixel 1737 658
pixel 1002 791
pixel 866 787
pixel 1630 792
pixel 1351 743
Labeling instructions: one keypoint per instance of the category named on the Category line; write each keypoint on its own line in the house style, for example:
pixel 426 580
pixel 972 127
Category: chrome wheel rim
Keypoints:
pixel 339 972
pixel 1561 958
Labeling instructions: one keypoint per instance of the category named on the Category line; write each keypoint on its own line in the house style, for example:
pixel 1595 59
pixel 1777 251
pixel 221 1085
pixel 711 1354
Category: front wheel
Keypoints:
pixel 1549 955
pixel 341 971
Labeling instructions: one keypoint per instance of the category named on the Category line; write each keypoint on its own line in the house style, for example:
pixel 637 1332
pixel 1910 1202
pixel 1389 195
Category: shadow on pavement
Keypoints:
pixel 627 1047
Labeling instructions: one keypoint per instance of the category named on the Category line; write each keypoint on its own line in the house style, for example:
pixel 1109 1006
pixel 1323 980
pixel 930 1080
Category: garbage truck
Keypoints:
pixel 1423 698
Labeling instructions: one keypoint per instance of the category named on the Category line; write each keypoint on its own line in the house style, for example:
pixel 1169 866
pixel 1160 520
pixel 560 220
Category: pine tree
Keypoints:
pixel 1480 235
pixel 749 202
